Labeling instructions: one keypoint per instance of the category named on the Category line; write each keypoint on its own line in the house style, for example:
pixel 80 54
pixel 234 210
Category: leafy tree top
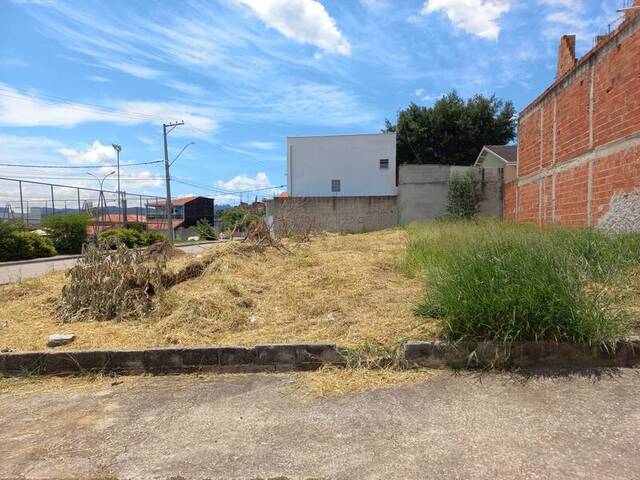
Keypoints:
pixel 452 131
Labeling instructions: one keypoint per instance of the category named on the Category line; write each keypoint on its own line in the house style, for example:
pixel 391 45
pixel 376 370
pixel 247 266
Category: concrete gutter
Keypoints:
pixel 57 258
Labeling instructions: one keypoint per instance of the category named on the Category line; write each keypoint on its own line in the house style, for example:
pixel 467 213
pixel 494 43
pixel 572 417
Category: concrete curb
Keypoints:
pixel 261 358
pixel 439 354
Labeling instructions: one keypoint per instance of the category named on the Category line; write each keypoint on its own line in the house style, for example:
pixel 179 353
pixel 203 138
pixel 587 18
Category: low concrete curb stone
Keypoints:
pixel 439 354
pixel 261 358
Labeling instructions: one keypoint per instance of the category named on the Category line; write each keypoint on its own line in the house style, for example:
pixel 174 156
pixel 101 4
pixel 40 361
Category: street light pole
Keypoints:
pixel 117 148
pixel 101 200
pixel 166 128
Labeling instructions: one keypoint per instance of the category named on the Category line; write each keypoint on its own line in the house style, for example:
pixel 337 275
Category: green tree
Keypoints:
pixel 238 217
pixel 452 131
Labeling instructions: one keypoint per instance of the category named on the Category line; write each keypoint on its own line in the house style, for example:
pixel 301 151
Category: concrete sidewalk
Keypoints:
pixel 249 426
pixel 11 272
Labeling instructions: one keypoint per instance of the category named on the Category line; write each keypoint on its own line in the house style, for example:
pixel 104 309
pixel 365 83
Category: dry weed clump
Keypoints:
pixel 108 284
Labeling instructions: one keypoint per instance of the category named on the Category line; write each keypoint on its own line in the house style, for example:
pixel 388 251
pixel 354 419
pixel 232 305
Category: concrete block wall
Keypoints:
pixel 579 142
pixel 423 191
pixel 422 195
pixel 296 215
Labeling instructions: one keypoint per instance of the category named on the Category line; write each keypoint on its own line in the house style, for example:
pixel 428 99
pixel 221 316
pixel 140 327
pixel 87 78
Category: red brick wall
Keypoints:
pixel 615 174
pixel 617 92
pixel 529 202
pixel 571 196
pixel 572 119
pixel 589 119
pixel 509 200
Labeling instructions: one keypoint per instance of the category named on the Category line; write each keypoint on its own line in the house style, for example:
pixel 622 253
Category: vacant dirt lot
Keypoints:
pixel 348 289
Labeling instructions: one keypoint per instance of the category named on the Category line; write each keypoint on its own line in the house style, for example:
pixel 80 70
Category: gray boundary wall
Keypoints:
pixel 422 195
pixel 295 215
pixel 423 191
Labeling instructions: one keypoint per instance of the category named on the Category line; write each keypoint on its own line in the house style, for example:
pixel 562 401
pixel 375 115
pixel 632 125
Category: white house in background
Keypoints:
pixel 342 165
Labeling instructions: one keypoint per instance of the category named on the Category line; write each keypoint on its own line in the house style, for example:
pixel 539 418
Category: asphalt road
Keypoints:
pixel 494 426
pixel 31 269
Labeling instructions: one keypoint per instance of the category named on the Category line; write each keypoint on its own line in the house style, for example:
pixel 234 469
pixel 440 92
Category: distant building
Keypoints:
pixel 342 165
pixel 186 210
pixel 499 156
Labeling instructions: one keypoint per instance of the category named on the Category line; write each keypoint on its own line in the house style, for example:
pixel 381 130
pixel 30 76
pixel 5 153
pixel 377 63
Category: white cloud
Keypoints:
pixel 98 78
pixel 186 88
pixel 245 182
pixel 134 70
pixel 305 21
pixel 478 17
pixel 419 92
pixel 96 154
pixel 39 150
pixel 310 104
pixel 262 145
pixel 18 109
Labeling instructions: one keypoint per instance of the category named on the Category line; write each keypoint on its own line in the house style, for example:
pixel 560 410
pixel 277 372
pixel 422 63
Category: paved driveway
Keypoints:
pixel 14 272
pixel 249 426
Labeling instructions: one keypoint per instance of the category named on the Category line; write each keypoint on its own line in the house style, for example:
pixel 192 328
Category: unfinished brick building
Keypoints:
pixel 579 141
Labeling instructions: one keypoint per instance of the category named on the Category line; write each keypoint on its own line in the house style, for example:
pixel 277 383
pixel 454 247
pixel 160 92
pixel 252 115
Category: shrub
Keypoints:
pixel 503 282
pixel 25 246
pixel 110 284
pixel 22 245
pixel 68 232
pixel 206 230
pixel 131 237
pixel 462 196
pixel 238 217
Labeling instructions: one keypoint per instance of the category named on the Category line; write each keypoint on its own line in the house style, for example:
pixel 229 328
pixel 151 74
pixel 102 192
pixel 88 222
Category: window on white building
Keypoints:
pixel 335 185
pixel 384 163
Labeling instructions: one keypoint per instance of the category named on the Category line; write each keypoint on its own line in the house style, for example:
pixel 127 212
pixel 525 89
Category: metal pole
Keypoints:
pixel 21 204
pixel 168 205
pixel 79 208
pixel 117 148
pixel 53 202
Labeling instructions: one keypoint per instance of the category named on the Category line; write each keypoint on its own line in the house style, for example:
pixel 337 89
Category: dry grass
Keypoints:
pixel 346 289
pixel 331 381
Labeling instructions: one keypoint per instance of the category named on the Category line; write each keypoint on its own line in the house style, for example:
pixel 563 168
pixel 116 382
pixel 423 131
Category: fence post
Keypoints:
pixel 79 208
pixel 21 204
pixel 53 202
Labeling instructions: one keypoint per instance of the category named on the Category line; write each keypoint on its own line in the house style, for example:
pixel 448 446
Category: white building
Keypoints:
pixel 342 165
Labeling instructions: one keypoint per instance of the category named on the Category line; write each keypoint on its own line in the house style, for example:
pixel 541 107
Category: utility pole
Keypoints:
pixel 166 129
pixel 117 148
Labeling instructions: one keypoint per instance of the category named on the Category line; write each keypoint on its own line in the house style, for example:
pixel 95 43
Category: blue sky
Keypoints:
pixel 77 76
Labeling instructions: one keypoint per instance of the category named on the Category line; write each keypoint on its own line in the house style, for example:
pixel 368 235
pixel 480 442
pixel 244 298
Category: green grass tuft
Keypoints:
pixel 506 282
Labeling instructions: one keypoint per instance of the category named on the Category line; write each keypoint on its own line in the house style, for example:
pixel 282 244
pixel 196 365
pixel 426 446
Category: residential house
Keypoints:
pixel 361 165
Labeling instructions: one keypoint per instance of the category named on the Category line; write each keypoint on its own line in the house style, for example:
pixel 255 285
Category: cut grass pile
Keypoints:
pixel 507 282
pixel 347 289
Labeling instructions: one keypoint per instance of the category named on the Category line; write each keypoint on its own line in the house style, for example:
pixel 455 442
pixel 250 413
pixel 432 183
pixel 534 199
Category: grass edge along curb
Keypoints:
pixel 481 354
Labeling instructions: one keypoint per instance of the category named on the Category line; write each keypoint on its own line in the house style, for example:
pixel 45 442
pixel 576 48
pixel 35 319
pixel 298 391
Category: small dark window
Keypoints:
pixel 335 185
pixel 384 163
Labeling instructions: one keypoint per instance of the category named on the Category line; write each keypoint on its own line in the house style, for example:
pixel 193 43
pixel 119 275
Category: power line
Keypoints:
pixel 225 191
pixel 77 166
